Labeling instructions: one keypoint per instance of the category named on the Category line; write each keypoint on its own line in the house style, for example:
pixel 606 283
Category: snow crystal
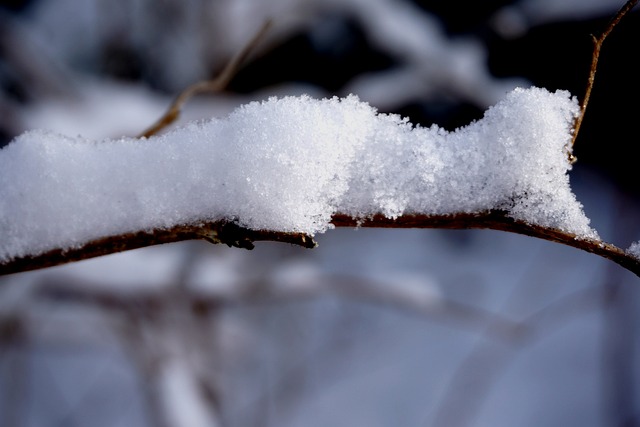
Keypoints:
pixel 634 250
pixel 289 164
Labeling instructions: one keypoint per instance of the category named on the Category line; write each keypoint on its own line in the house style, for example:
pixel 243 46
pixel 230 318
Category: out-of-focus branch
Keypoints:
pixel 237 236
pixel 149 304
pixel 462 399
pixel 597 46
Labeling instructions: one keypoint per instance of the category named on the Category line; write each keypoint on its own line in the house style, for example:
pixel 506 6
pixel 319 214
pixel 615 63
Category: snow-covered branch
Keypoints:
pixel 287 169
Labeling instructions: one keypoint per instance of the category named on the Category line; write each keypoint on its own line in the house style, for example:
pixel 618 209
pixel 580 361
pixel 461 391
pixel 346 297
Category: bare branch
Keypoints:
pixel 237 236
pixel 498 220
pixel 597 45
pixel 215 85
pixel 214 232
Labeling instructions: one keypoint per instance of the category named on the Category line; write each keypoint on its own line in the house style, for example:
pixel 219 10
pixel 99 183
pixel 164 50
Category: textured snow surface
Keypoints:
pixel 634 250
pixel 289 164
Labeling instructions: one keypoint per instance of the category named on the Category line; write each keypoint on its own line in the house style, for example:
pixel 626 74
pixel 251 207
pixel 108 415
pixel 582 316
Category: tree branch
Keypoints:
pixel 232 234
pixel 597 46
pixel 498 220
pixel 214 232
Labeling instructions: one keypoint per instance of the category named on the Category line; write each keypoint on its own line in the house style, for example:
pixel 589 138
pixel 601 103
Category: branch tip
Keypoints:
pixel 597 46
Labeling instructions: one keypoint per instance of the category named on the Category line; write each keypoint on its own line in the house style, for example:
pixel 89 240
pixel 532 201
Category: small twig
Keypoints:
pixel 597 45
pixel 215 85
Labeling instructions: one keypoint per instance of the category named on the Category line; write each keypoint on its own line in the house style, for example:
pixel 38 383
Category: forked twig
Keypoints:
pixel 597 45
pixel 215 85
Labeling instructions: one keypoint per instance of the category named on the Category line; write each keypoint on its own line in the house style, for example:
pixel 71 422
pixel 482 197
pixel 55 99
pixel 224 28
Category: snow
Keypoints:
pixel 289 164
pixel 634 250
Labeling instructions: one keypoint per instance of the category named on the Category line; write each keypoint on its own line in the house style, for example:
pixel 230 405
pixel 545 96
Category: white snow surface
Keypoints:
pixel 634 250
pixel 289 164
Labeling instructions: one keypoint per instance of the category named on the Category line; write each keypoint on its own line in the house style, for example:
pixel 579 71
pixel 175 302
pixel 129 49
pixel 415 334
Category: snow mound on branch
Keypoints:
pixel 289 164
pixel 634 250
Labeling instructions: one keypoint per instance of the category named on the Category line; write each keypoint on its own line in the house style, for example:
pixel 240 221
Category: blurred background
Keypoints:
pixel 374 327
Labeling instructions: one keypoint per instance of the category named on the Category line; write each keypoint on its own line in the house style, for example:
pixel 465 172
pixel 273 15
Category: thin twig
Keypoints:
pixel 597 45
pixel 215 85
